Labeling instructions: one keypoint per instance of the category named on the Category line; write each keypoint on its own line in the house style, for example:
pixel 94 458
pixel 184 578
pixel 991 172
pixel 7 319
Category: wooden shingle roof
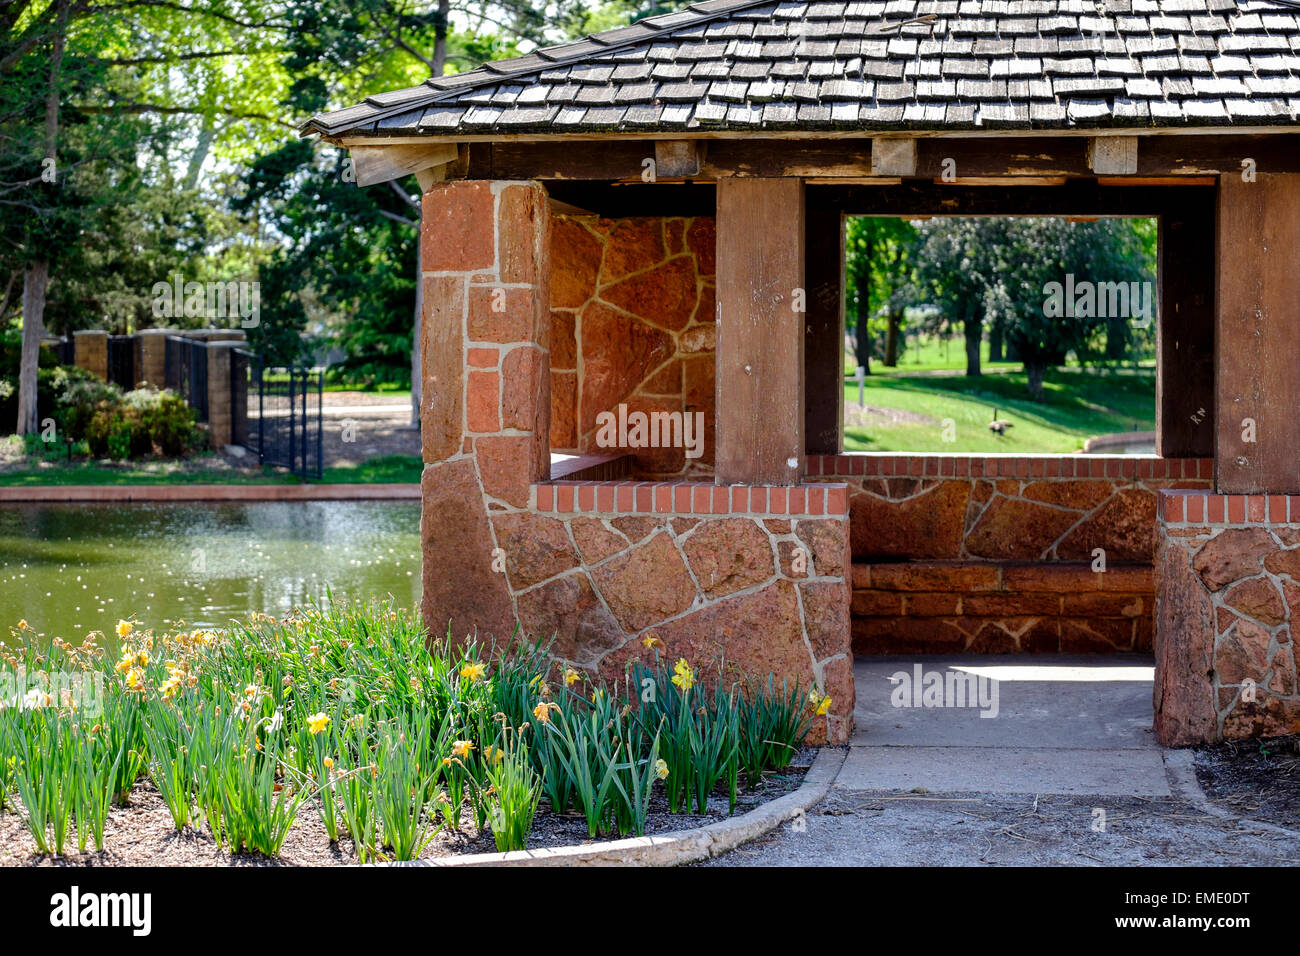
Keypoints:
pixel 844 65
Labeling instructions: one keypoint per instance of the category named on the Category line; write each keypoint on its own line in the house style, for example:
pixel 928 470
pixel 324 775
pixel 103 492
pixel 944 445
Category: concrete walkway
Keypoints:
pixel 1067 773
pixel 1052 725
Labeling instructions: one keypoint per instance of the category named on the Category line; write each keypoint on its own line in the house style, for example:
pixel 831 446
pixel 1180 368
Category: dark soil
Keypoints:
pixel 1256 779
pixel 142 834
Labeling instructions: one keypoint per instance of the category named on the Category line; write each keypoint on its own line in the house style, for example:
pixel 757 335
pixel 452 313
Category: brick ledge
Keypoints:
pixel 818 499
pixel 907 464
pixel 1206 508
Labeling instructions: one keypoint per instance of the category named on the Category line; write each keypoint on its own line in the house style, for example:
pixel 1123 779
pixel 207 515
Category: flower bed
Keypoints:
pixel 345 736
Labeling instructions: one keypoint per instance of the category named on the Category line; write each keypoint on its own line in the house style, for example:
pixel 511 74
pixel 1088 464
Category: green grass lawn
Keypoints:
pixel 389 469
pixel 1078 404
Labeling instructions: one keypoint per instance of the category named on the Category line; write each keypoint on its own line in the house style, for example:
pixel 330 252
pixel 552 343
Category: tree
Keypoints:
pixel 879 277
pixel 1061 285
pixel 955 271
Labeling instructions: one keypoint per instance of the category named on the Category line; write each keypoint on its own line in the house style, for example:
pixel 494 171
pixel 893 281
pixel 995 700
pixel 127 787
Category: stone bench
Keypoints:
pixel 909 607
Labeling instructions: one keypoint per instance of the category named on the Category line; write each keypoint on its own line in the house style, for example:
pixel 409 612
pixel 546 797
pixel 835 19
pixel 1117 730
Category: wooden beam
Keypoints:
pixel 1113 155
pixel 760 338
pixel 936 158
pixel 678 159
pixel 1076 197
pixel 379 164
pixel 893 157
pixel 824 334
pixel 1185 329
pixel 1257 339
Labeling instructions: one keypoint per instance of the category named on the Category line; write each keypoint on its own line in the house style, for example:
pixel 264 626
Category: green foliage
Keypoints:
pixel 392 736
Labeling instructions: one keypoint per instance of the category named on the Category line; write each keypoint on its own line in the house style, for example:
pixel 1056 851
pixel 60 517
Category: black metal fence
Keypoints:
pixel 185 372
pixel 282 413
pixel 121 361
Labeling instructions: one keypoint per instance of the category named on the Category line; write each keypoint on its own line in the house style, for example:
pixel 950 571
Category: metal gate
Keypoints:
pixel 282 413
pixel 121 361
pixel 185 372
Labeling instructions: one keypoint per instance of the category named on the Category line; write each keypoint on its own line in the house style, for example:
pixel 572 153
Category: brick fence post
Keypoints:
pixel 151 356
pixel 90 351
pixel 485 424
pixel 220 421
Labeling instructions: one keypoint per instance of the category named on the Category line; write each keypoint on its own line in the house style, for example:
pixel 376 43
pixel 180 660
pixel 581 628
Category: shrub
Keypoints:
pixel 169 422
pixel 117 431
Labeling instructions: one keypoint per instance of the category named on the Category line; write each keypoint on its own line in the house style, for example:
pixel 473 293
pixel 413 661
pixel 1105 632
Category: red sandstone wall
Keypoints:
pixel 1228 571
pixel 962 553
pixel 632 321
pixel 1025 508
pixel 755 577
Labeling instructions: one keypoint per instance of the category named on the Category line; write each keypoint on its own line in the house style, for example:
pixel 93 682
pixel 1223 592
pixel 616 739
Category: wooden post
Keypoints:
pixel 1185 331
pixel 1257 340
pixel 824 334
pixel 759 387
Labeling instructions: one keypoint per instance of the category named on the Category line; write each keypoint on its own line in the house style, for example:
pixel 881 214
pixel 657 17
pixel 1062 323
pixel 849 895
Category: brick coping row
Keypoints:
pixel 905 464
pixel 822 499
pixel 1205 507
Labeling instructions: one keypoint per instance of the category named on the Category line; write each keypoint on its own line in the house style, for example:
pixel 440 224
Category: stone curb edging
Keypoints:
pixel 678 847
pixel 1180 771
pixel 48 494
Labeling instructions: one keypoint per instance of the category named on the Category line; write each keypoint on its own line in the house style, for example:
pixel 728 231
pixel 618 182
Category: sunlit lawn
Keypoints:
pixel 1078 404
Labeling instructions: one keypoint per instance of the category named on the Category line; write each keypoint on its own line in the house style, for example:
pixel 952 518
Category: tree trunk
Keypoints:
pixel 863 348
pixel 1034 372
pixel 995 342
pixel 34 281
pixel 415 341
pixel 37 275
pixel 440 37
pixel 974 328
pixel 894 319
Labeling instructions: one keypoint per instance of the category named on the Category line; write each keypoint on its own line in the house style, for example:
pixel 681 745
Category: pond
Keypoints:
pixel 69 569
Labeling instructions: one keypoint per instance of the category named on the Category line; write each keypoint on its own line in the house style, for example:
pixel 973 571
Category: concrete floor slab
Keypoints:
pixel 1005 770
pixel 1000 724
pixel 1039 701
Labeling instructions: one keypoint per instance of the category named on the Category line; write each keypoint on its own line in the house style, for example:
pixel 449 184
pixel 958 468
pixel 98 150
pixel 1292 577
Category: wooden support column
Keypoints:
pixel 824 334
pixel 1257 337
pixel 1185 330
pixel 760 350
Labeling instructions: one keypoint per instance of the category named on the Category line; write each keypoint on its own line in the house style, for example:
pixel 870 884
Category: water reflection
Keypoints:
pixel 67 569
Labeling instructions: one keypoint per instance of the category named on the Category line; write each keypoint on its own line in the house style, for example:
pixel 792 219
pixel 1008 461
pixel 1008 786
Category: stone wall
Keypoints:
pixel 632 322
pixel 1000 551
pixel 1228 602
pixel 755 577
pixel 751 577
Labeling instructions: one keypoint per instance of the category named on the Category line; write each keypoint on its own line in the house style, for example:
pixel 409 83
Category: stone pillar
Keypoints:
pixel 759 386
pixel 151 356
pixel 219 408
pixel 90 351
pixel 485 249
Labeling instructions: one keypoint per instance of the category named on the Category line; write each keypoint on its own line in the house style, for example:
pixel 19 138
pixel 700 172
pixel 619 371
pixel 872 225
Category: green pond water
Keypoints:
pixel 71 569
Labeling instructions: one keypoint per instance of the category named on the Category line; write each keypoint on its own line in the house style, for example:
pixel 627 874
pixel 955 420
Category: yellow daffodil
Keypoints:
pixel 542 712
pixel 823 706
pixel 652 643
pixel 317 722
pixel 124 628
pixel 135 679
pixel 683 676
pixel 250 690
pixel 473 672
pixel 571 677
pixel 461 748
pixel 23 625
pixel 661 769
pixel 329 763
